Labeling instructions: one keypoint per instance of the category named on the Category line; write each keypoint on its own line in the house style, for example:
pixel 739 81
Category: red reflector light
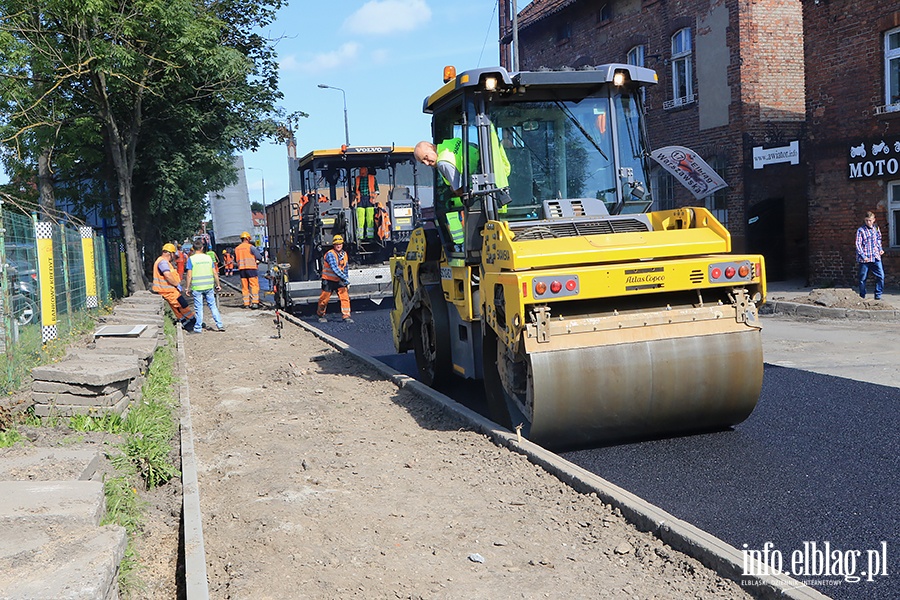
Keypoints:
pixel 555 287
pixel 729 272
pixel 744 271
pixel 716 273
pixel 758 268
pixel 524 289
pixel 540 288
pixel 571 285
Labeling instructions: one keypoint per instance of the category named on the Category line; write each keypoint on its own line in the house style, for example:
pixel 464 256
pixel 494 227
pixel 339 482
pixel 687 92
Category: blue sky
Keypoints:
pixel 387 55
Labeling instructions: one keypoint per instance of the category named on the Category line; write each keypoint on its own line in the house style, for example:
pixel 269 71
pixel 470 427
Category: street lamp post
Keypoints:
pixel 265 217
pixel 344 94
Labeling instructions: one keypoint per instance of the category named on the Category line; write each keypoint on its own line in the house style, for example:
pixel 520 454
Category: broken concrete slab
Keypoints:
pixel 59 398
pixel 54 387
pixel 140 347
pixel 52 562
pixel 72 502
pixel 48 464
pixel 102 370
pixel 70 410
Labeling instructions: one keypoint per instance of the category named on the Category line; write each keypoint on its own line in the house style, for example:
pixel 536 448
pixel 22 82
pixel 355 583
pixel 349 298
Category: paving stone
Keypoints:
pixel 141 347
pixel 62 399
pixel 47 464
pixel 103 370
pixel 61 563
pixel 70 410
pixel 55 387
pixel 72 502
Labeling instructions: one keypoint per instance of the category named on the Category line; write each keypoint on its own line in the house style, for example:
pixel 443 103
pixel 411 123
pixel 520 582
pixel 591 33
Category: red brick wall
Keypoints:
pixel 844 83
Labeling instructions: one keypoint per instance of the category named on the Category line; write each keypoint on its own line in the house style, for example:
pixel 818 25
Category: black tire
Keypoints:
pixel 431 341
pixel 504 410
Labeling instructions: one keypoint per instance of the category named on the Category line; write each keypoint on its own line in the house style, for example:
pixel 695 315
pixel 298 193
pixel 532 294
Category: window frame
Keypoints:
pixel 639 54
pixel 663 189
pixel 603 19
pixel 681 46
pixel 893 213
pixel 717 202
pixel 891 56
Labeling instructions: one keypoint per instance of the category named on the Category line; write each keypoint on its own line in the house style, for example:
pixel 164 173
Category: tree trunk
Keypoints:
pixel 45 183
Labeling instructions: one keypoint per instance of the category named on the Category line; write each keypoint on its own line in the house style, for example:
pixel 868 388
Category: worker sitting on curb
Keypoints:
pixel 167 284
pixel 335 279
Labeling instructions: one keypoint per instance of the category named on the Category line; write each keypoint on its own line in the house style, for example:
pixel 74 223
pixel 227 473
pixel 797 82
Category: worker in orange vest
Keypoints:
pixel 366 191
pixel 229 262
pixel 248 258
pixel 180 260
pixel 382 222
pixel 167 283
pixel 335 279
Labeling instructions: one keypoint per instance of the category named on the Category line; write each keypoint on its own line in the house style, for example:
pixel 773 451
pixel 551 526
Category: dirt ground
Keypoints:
pixel 839 298
pixel 319 479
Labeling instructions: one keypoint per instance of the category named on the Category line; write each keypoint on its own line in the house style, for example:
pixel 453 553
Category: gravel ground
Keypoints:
pixel 319 479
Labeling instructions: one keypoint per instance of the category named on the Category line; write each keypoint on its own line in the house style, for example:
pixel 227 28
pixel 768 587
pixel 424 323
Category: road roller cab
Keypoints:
pixel 589 319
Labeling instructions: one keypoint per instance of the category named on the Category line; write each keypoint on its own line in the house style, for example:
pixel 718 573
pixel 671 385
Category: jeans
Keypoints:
pixel 878 271
pixel 210 297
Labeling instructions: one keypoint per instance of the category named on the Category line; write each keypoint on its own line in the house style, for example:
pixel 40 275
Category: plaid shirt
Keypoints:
pixel 868 244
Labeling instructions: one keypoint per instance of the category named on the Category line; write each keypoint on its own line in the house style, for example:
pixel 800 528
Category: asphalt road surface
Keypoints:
pixel 814 473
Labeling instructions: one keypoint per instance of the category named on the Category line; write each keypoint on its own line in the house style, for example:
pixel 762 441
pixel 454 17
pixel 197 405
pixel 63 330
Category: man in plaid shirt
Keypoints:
pixel 868 255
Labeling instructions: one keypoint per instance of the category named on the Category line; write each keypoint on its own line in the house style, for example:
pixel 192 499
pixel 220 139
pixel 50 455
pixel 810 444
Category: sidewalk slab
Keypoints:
pixel 61 563
pixel 54 387
pixel 70 410
pixel 72 502
pixel 48 464
pixel 100 371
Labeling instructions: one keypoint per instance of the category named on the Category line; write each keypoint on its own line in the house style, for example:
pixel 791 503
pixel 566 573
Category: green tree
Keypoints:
pixel 170 89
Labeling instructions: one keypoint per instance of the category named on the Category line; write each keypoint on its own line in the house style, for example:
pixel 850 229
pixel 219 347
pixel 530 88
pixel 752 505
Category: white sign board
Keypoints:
pixel 689 169
pixel 769 156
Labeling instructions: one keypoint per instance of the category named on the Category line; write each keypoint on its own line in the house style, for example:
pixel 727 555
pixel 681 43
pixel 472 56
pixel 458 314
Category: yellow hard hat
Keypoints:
pixel 246 235
pixel 338 239
pixel 168 247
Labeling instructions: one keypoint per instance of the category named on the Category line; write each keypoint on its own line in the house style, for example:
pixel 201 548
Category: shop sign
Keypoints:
pixel 874 159
pixel 770 156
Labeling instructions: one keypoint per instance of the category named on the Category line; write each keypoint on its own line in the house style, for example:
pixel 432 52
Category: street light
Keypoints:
pixel 344 94
pixel 265 217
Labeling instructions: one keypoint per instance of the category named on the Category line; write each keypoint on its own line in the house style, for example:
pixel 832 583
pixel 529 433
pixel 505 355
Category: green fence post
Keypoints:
pixel 65 269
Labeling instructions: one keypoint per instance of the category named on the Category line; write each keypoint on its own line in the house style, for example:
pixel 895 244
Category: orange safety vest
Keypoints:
pixel 327 273
pixel 160 284
pixel 244 256
pixel 372 192
pixel 229 262
pixel 383 219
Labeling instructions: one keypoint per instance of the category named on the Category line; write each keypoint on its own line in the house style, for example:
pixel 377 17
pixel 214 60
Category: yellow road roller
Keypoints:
pixel 590 318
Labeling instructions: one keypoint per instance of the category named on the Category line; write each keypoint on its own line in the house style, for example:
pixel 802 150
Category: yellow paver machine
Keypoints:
pixel 589 319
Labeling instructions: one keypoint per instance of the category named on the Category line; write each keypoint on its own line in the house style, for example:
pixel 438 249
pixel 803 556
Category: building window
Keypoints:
pixel 682 70
pixel 604 14
pixel 894 212
pixel 717 201
pixel 892 70
pixel 664 189
pixel 635 57
pixel 563 33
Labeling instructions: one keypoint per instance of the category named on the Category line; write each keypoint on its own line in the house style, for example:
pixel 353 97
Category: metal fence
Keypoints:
pixel 54 275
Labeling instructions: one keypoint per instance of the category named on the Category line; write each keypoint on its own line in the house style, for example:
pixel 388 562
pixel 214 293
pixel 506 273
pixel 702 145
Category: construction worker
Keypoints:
pixel 229 262
pixel 383 222
pixel 202 281
pixel 180 260
pixel 447 158
pixel 366 191
pixel 248 258
pixel 167 284
pixel 335 279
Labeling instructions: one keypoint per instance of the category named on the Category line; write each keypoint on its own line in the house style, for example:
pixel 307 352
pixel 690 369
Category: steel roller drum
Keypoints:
pixel 661 384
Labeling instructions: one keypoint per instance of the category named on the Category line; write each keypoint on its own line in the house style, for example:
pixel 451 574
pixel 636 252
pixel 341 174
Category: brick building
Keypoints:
pixel 853 133
pixel 735 87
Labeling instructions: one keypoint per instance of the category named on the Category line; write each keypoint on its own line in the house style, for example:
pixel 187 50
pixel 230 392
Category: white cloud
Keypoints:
pixel 383 17
pixel 325 61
